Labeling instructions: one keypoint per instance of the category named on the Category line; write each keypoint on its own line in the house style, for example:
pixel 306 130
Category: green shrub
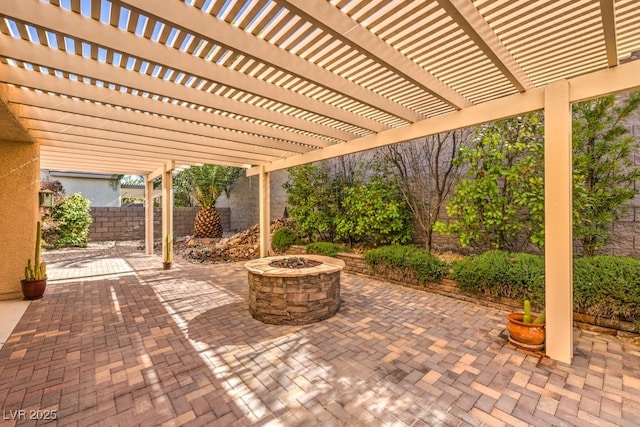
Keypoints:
pixel 74 219
pixel 603 286
pixel 325 248
pixel 502 274
pixel 283 238
pixel 312 200
pixel 607 286
pixel 406 263
pixel 374 214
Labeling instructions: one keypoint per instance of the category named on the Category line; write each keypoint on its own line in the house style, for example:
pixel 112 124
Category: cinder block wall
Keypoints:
pixel 127 223
pixel 244 203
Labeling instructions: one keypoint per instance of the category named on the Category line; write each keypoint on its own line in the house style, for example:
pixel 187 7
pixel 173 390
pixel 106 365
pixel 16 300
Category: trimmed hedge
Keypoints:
pixel 603 286
pixel 325 248
pixel 406 263
pixel 282 238
pixel 496 273
pixel 607 286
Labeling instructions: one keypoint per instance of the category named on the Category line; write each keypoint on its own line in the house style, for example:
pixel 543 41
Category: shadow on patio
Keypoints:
pixel 119 340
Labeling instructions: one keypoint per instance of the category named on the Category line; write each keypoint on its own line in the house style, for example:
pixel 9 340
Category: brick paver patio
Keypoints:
pixel 117 340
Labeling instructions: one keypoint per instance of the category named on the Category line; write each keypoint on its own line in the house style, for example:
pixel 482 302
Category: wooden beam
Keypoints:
pixel 148 215
pixel 126 107
pixel 219 32
pixel 332 21
pixel 167 207
pixel 103 117
pixel 608 12
pixel 604 82
pixel 558 226
pixel 265 212
pixel 465 14
pixel 80 28
pixel 44 56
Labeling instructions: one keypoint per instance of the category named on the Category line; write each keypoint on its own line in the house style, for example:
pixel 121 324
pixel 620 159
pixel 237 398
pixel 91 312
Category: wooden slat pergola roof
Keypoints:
pixel 125 86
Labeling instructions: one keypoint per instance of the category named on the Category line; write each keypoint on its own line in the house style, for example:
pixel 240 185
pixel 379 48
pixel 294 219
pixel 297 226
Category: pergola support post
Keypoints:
pixel 167 207
pixel 558 207
pixel 265 207
pixel 148 215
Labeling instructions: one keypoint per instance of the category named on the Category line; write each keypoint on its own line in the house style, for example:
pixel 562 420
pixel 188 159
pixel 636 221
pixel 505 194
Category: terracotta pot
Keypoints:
pixel 166 265
pixel 33 289
pixel 525 333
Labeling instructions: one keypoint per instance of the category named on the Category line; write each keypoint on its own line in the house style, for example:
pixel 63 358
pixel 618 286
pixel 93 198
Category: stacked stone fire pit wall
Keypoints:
pixel 294 296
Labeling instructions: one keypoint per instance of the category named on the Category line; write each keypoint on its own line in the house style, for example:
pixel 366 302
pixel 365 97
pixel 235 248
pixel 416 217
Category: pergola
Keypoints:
pixel 145 87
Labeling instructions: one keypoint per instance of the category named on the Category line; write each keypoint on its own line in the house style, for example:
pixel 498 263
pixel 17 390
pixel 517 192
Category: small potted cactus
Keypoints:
pixel 35 273
pixel 525 329
pixel 166 265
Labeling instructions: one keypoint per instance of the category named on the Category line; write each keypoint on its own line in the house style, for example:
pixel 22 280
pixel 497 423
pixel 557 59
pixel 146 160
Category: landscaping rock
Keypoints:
pixel 239 247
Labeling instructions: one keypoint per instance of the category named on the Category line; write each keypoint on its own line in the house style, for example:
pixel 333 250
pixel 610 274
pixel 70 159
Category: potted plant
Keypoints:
pixel 35 273
pixel 166 265
pixel 525 329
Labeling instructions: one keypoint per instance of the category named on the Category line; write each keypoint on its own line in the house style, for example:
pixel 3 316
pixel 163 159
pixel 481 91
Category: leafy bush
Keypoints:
pixel 603 286
pixel 282 238
pixel 374 213
pixel 499 203
pixel 325 248
pixel 607 286
pixel 406 263
pixel 313 203
pixel 517 276
pixel 73 219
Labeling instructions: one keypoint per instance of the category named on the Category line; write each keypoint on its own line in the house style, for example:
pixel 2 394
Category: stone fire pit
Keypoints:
pixel 294 296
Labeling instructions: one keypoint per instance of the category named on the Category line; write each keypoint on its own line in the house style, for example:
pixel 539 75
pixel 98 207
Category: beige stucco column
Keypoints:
pixel 265 217
pixel 167 206
pixel 558 208
pixel 148 215
pixel 19 212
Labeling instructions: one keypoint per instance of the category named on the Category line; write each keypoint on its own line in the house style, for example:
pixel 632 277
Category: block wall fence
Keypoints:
pixel 127 223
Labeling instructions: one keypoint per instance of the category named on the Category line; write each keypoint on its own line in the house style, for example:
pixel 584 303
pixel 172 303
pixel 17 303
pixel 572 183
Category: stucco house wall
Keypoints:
pixel 19 213
pixel 99 189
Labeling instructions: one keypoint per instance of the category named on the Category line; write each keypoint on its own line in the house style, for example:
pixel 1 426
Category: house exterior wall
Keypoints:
pixel 97 188
pixel 19 213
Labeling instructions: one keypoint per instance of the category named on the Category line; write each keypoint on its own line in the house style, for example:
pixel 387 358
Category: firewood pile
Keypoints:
pixel 239 247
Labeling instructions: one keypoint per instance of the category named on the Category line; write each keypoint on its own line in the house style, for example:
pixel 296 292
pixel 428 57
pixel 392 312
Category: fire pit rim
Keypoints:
pixel 261 266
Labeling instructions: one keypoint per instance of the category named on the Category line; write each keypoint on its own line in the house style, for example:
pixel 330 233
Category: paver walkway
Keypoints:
pixel 117 340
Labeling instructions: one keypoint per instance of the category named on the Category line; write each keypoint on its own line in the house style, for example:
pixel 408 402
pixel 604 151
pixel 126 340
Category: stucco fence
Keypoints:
pixel 127 223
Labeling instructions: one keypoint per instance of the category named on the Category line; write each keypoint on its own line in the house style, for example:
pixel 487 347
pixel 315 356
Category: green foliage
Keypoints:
pixel 312 201
pixel 607 286
pixel 205 183
pixel 541 318
pixel 74 219
pixel 427 170
pixel 499 203
pixel 406 263
pixel 497 273
pixel 603 286
pixel 49 225
pixel 325 248
pixel 282 238
pixel 604 172
pixel 527 312
pixel 36 270
pixel 374 213
pixel 339 206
